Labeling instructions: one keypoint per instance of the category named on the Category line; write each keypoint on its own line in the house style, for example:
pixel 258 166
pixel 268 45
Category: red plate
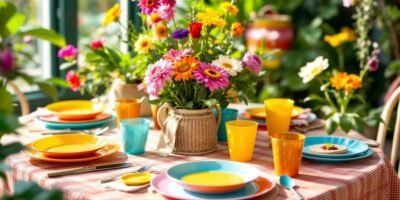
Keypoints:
pixel 55 119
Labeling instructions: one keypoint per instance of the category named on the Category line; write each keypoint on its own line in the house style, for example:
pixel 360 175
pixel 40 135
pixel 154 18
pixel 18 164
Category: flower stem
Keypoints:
pixel 341 58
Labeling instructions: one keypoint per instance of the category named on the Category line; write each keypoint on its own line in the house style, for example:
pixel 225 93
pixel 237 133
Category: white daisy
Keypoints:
pixel 232 66
pixel 313 68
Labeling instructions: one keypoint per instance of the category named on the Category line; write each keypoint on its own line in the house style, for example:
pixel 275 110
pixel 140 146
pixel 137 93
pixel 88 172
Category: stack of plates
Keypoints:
pixel 75 114
pixel 355 149
pixel 210 180
pixel 299 116
pixel 70 148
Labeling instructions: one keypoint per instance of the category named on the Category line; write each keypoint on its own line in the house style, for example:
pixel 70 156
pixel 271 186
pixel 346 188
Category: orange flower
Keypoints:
pixel 237 29
pixel 184 68
pixel 346 82
pixel 154 18
pixel 160 31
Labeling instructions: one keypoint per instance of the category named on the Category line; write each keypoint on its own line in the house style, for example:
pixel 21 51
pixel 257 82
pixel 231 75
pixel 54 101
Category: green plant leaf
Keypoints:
pixel 331 125
pixel 210 102
pixel 7 11
pixel 58 82
pixel 6 101
pixel 45 34
pixel 67 65
pixel 15 22
pixel 31 190
pixel 48 89
pixel 314 97
pixel 9 149
pixel 346 122
pixel 8 123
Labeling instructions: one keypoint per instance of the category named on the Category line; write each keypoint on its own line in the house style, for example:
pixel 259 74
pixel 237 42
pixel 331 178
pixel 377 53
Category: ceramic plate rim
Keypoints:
pixel 260 107
pixel 256 194
pixel 75 125
pixel 202 161
pixel 109 115
pixel 334 155
pixel 70 160
pixel 367 154
pixel 57 113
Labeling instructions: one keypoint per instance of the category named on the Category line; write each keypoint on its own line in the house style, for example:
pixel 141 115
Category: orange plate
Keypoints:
pixel 76 109
pixel 259 112
pixel 69 145
pixel 55 119
pixel 106 151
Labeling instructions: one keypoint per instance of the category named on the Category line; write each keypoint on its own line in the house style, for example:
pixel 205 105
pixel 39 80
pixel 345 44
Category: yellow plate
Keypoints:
pixel 37 155
pixel 69 145
pixel 76 109
pixel 259 112
pixel 138 178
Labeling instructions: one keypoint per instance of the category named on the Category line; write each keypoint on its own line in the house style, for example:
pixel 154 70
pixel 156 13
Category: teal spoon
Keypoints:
pixel 288 183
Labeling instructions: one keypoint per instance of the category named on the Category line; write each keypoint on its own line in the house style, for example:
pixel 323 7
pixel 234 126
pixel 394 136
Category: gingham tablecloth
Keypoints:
pixel 370 178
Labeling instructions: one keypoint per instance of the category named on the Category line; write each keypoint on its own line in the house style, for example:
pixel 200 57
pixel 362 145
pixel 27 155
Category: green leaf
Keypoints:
pixel 45 34
pixel 393 68
pixel 314 97
pixel 48 89
pixel 7 11
pixel 15 22
pixel 310 35
pixel 10 149
pixel 210 102
pixel 67 65
pixel 31 190
pixel 6 101
pixel 8 123
pixel 58 81
pixel 331 125
pixel 346 122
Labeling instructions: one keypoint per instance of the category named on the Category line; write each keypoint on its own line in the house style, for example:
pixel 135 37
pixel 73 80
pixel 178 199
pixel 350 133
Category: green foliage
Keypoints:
pixel 32 191
pixel 10 20
pixel 44 34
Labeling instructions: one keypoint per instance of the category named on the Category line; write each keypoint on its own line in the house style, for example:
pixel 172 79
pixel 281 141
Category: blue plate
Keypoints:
pixel 366 154
pixel 54 125
pixel 354 147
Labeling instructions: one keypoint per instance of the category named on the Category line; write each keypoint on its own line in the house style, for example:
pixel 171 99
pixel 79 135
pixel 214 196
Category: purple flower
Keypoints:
pixel 373 64
pixel 6 61
pixel 213 77
pixel 252 62
pixel 69 52
pixel 180 34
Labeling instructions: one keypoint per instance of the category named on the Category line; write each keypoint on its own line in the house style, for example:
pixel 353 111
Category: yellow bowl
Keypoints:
pixel 69 145
pixel 76 109
pixel 259 112
pixel 138 178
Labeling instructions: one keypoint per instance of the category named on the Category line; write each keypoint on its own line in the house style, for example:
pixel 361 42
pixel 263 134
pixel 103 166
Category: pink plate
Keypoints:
pixel 55 119
pixel 168 188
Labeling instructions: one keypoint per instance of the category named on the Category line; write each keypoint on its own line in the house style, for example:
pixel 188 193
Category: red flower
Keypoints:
pixel 195 29
pixel 73 80
pixel 96 44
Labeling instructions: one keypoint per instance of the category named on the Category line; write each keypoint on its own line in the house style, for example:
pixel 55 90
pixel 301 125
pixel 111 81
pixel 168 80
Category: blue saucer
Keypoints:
pixel 54 125
pixel 354 147
pixel 366 154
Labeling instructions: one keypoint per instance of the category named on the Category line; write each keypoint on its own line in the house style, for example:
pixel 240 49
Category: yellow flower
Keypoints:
pixel 160 31
pixel 345 35
pixel 154 18
pixel 229 8
pixel 111 15
pixel 210 18
pixel 346 82
pixel 237 29
pixel 144 44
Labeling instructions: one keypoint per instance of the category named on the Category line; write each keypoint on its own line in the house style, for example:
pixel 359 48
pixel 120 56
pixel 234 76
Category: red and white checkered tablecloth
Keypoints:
pixel 370 178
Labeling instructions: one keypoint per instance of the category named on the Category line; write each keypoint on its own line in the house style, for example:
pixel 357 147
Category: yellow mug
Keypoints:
pixel 127 108
pixel 287 151
pixel 278 115
pixel 241 139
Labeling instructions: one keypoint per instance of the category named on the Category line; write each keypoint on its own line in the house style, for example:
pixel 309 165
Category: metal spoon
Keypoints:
pixel 288 183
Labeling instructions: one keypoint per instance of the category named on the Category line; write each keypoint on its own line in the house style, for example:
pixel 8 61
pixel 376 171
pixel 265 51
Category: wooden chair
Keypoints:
pixel 21 98
pixel 382 129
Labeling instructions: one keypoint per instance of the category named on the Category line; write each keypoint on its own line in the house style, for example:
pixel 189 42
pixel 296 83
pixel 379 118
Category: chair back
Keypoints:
pixel 386 115
pixel 23 102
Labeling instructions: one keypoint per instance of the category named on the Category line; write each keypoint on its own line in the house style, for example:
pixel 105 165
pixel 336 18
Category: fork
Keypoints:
pixel 142 169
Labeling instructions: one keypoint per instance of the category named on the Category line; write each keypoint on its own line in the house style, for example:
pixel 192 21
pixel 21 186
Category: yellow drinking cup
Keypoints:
pixel 241 139
pixel 287 149
pixel 127 108
pixel 279 114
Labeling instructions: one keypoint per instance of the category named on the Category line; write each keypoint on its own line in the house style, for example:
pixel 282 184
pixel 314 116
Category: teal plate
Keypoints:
pixel 366 154
pixel 354 147
pixel 54 125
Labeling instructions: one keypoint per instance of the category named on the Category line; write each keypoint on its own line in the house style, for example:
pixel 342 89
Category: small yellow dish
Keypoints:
pixel 76 109
pixel 69 145
pixel 259 112
pixel 139 178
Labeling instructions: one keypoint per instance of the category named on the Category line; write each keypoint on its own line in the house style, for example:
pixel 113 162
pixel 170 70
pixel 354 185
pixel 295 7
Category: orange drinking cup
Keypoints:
pixel 128 108
pixel 287 149
pixel 241 139
pixel 279 114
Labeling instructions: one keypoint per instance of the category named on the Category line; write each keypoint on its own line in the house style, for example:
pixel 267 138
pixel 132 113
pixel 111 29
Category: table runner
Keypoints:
pixel 370 178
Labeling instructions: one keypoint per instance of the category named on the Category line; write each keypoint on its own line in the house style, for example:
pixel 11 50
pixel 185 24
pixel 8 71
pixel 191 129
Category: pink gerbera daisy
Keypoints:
pixel 213 77
pixel 252 62
pixel 166 12
pixel 169 2
pixel 156 76
pixel 174 54
pixel 149 6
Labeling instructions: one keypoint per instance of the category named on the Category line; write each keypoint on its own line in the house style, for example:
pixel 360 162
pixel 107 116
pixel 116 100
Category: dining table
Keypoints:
pixel 369 178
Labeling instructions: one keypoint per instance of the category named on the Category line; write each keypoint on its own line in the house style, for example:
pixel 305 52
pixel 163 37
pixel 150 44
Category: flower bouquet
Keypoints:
pixel 201 71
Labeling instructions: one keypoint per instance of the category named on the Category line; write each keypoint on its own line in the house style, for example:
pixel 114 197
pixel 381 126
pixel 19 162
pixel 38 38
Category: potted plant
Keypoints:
pixel 200 73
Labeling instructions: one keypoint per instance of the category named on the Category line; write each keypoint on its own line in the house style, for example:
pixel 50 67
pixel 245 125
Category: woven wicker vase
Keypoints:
pixel 189 132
